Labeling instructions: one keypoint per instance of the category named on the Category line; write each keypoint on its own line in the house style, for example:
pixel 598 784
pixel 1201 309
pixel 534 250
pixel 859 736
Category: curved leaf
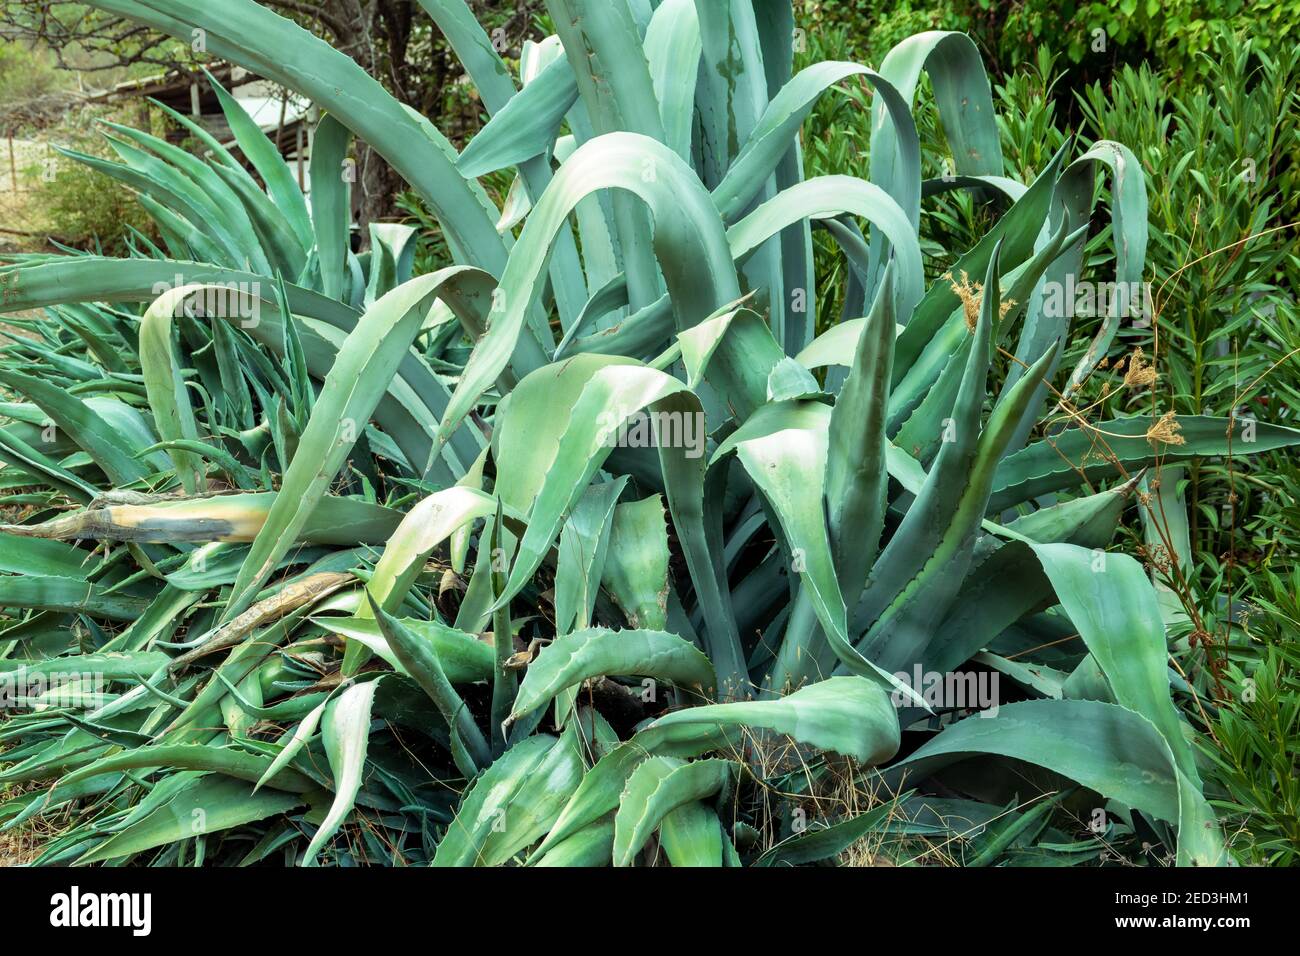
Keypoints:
pixel 656 788
pixel 346 735
pixel 594 652
pixel 848 715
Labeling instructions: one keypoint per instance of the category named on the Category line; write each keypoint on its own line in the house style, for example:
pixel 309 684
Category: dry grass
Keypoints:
pixel 827 788
pixel 971 295
pixel 22 844
pixel 18 847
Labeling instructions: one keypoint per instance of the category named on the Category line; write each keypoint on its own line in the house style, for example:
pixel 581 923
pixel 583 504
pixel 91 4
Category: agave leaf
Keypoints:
pixel 392 258
pixel 1012 235
pixel 636 571
pixel 1114 607
pixel 206 185
pixel 848 715
pixel 421 660
pixel 246 33
pixel 688 241
pixel 105 443
pixel 165 385
pixel 20 555
pixel 489 74
pixel 611 394
pixel 104 279
pixel 826 197
pixel 487 802
pixel 200 451
pixel 783 448
pixel 591 846
pixel 594 652
pixel 68 594
pixel 346 735
pixel 584 545
pixel 527 435
pixel 691 836
pixel 517 205
pixel 1076 455
pixel 274 233
pixel 413 402
pixel 331 210
pixel 914 580
pixel 606 299
pixel 474 50
pixel 463 657
pixel 265 157
pixel 1105 747
pixel 672 50
pixel 172 200
pixel 790 381
pixel 110 666
pixel 1166 519
pixel 1009 583
pixel 361 374
pixel 76 748
pixel 1024 826
pixel 526 126
pixel 608 396
pixel 427 525
pixel 780 123
pixel 928 389
pixel 731 95
pixel 741 342
pixel 207 804
pixel 902 631
pixel 964 99
pixel 229 761
pixel 603 44
pixel 212 147
pixel 656 788
pixel 856 474
pixel 1128 219
pixel 534 807
pixel 407 411
pixel 598 793
pixel 22 457
pixel 243 660
pixel 157 623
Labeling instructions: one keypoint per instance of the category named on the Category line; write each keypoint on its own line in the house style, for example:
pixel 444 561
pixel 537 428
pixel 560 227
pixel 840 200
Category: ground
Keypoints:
pixel 17 215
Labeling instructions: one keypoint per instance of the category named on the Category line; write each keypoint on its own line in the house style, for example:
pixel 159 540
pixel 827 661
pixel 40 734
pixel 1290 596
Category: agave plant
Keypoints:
pixel 585 549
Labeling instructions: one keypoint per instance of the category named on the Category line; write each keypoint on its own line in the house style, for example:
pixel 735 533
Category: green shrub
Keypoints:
pixel 26 73
pixel 1257 725
pixel 1173 34
pixel 84 209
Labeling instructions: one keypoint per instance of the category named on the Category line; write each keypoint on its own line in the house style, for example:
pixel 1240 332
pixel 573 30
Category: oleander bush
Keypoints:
pixel 592 547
